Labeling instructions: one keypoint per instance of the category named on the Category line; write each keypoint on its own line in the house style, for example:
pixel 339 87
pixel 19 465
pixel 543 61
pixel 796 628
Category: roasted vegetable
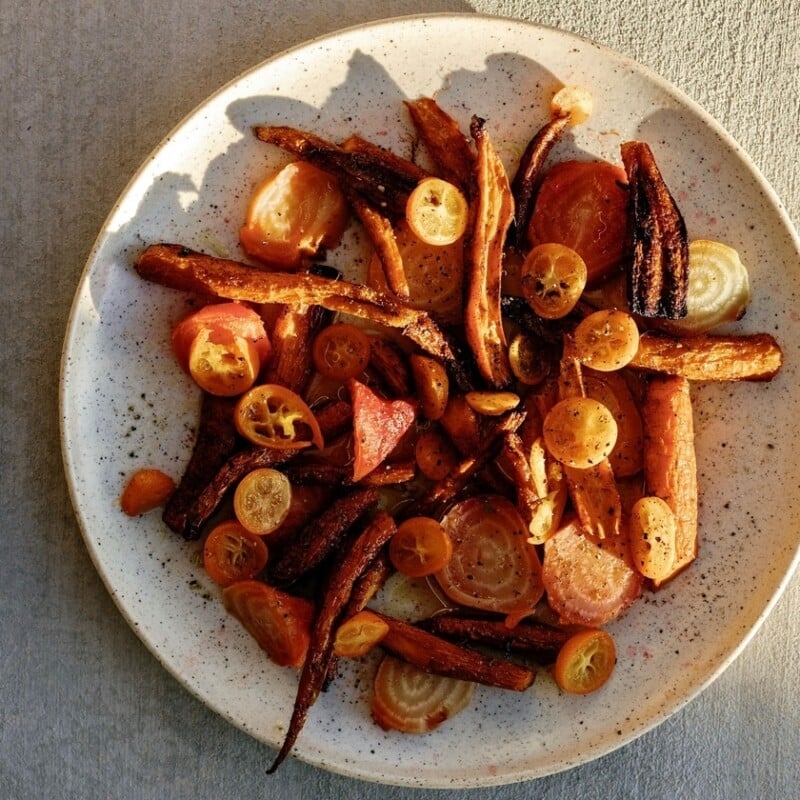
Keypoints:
pixel 339 588
pixel 369 171
pixel 447 145
pixel 709 357
pixel 179 267
pixel 659 271
pixel 321 536
pixel 670 464
pixel 526 637
pixel 440 657
pixel 215 442
pixel 526 178
pixel 492 213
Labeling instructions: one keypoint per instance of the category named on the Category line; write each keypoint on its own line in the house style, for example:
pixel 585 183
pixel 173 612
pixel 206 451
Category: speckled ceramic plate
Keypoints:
pixel 125 405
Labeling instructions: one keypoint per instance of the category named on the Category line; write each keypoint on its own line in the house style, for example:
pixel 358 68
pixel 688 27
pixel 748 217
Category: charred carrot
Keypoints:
pixel 711 357
pixel 215 442
pixel 433 654
pixel 178 267
pixel 526 637
pixel 338 590
pixel 321 536
pixel 526 178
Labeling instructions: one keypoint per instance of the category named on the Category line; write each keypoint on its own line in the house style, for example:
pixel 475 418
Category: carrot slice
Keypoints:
pixel 147 489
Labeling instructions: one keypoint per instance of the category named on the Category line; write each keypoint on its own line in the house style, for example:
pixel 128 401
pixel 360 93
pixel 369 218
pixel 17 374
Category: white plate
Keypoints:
pixel 125 405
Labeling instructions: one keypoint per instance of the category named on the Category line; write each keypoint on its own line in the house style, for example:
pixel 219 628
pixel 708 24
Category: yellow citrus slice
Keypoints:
pixel 437 211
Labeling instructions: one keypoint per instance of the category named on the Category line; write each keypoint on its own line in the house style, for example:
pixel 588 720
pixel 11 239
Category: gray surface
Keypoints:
pixel 87 90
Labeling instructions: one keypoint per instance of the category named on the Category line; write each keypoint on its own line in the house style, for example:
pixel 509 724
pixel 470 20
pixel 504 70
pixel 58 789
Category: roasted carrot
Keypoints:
pixel 391 473
pixel 179 267
pixel 526 637
pixel 659 273
pixel 492 210
pixel 526 178
pixel 711 357
pixel 388 160
pixel 232 471
pixel 391 366
pixel 448 146
pixel 372 174
pixel 334 418
pixel 433 654
pixel 596 499
pixel 380 230
pixel 368 584
pixel 593 491
pixel 442 492
pixel 338 590
pixel 215 442
pixel 670 466
pixel 321 536
pixel 291 337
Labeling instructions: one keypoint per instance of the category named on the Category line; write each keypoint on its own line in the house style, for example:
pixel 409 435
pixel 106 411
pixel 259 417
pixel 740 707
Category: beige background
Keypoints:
pixel 87 90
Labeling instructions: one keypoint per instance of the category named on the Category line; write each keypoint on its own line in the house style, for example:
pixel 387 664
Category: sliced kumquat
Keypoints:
pixel 580 432
pixel 585 661
pixel 271 415
pixel 341 351
pixel 432 385
pixel 223 364
pixel 234 320
pixel 420 547
pixel 262 500
pixel 553 278
pixel 232 553
pixel 359 634
pixel 652 530
pixel 606 340
pixel 492 404
pixel 437 212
